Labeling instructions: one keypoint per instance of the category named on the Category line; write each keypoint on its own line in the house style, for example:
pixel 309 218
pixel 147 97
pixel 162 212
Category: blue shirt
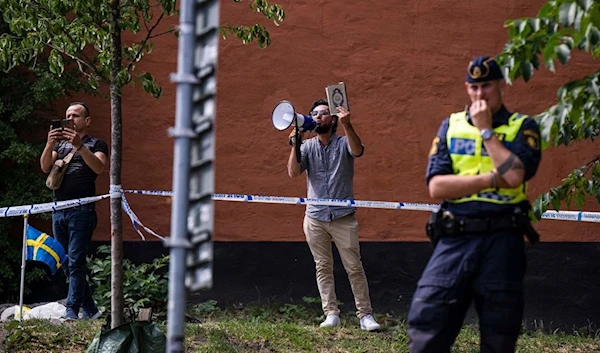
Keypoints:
pixel 329 175
pixel 440 162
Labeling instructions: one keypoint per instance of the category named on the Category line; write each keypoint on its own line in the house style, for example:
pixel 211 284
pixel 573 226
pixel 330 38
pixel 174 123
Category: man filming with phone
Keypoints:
pixel 73 227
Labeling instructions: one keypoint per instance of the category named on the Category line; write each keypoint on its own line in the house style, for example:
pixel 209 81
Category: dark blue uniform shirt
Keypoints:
pixel 528 151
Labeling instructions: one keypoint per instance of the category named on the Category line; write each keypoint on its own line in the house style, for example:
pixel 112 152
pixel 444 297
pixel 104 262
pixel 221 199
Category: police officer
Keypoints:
pixel 479 164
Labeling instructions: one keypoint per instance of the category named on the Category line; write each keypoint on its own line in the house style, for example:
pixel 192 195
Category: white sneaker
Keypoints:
pixel 368 323
pixel 331 321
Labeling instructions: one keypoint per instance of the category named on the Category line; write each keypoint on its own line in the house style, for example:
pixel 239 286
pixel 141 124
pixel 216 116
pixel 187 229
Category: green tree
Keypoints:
pixel 560 27
pixel 247 34
pixel 88 34
pixel 25 104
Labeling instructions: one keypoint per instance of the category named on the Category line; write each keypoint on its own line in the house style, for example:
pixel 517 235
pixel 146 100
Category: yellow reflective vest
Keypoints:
pixel 465 146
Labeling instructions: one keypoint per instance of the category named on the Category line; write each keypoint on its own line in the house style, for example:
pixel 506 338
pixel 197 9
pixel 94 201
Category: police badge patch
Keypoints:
pixel 532 139
pixel 434 146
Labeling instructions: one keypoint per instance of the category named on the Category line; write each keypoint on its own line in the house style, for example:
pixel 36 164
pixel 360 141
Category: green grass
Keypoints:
pixel 289 328
pixel 43 336
pixel 270 331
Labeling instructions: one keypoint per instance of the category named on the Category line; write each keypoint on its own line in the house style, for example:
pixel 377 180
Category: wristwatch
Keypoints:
pixel 486 134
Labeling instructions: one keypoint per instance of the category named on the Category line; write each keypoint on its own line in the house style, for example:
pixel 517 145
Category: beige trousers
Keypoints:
pixel 344 233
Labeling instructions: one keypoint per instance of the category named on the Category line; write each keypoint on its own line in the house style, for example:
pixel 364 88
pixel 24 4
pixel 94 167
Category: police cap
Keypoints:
pixel 482 69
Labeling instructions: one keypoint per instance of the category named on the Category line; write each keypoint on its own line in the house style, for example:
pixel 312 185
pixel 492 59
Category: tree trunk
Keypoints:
pixel 116 215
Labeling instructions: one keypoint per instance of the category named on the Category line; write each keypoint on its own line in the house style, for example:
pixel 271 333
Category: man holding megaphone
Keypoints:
pixel 328 161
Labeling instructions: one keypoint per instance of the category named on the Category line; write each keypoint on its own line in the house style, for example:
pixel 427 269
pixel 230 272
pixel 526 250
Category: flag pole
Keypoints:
pixel 23 257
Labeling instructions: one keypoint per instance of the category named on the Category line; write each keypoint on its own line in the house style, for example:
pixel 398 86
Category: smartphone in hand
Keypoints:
pixel 68 123
pixel 56 124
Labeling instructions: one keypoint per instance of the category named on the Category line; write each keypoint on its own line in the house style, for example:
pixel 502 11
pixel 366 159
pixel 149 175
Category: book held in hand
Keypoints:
pixel 336 96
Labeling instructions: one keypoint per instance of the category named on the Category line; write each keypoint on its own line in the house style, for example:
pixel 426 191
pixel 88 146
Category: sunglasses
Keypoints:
pixel 316 112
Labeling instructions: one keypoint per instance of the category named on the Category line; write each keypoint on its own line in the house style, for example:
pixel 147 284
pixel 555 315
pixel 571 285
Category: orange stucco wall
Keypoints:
pixel 403 64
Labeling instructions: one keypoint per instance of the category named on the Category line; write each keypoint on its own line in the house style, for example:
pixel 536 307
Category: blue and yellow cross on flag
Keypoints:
pixel 44 248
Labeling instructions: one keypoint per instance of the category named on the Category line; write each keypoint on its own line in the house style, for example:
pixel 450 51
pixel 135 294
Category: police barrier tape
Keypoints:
pixel 135 221
pixel 580 216
pixel 13 211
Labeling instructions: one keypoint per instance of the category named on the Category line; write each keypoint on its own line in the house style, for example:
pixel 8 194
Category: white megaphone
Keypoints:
pixel 284 115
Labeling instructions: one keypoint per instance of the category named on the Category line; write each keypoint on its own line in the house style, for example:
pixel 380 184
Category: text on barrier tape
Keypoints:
pixel 580 216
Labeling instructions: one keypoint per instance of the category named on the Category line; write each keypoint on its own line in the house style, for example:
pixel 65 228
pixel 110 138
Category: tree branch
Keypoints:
pixel 86 59
pixel 590 164
pixel 144 41
pixel 79 61
pixel 146 26
pixel 161 33
pixel 124 6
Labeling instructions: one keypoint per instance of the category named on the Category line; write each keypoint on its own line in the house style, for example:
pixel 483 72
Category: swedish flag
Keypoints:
pixel 44 248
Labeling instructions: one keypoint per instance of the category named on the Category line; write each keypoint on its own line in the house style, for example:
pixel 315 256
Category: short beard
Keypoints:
pixel 323 129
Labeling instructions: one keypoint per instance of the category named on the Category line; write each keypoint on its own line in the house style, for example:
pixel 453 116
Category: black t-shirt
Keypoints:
pixel 80 180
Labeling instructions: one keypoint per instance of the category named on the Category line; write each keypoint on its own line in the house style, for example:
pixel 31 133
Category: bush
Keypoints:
pixel 145 285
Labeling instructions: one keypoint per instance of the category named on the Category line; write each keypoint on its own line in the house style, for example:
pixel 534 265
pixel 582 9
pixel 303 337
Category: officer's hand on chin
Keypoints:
pixel 481 115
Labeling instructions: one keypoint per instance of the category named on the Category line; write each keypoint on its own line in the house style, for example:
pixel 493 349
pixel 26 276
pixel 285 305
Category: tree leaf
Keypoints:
pixel 594 35
pixel 93 82
pixel 579 199
pixel 526 70
pixel 535 61
pixel 563 53
pixel 595 14
pixel 523 26
pixel 567 13
pixel 546 10
pixel 585 4
pixel 534 23
pixel 556 203
pixel 593 88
